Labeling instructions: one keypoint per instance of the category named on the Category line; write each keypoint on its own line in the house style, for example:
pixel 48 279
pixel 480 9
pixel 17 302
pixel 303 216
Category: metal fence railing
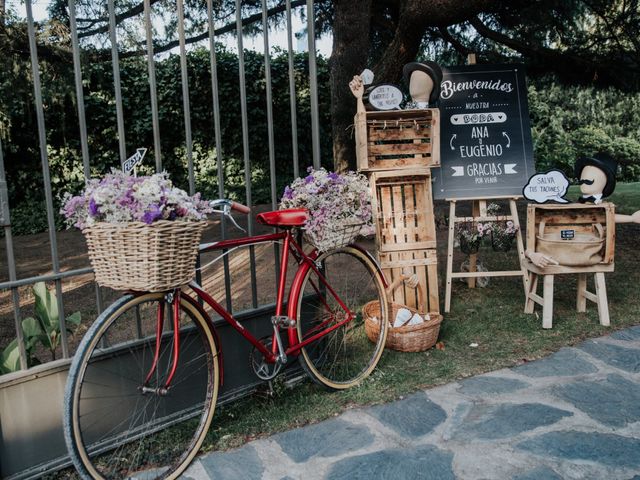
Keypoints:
pixel 58 275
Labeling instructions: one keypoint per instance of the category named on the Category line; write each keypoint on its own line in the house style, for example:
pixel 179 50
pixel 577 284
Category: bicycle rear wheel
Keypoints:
pixel 116 429
pixel 345 356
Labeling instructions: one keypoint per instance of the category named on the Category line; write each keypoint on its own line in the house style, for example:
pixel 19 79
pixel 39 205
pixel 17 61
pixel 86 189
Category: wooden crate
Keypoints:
pixel 423 263
pixel 403 206
pixel 397 139
pixel 577 216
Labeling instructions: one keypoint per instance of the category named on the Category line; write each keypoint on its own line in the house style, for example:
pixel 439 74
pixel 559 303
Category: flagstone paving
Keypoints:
pixel 573 415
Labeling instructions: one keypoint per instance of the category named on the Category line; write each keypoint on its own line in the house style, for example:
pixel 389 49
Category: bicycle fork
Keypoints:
pixel 173 298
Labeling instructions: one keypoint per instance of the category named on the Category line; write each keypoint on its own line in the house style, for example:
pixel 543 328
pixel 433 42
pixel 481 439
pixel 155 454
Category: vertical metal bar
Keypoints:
pixel 245 148
pixel 218 137
pixel 45 173
pixel 269 97
pixel 292 95
pixel 99 304
pixel 115 62
pixel 77 70
pixel 11 264
pixel 313 85
pixel 214 91
pixel 185 96
pixel 272 154
pixel 151 67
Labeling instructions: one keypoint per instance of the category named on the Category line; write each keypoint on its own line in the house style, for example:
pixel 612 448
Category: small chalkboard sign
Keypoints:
pixel 385 97
pixel 486 148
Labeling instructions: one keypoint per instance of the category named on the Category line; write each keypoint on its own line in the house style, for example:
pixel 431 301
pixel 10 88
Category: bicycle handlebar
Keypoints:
pixel 238 207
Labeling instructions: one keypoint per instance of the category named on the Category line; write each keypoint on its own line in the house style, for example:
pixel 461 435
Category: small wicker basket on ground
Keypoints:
pixel 407 338
pixel 140 257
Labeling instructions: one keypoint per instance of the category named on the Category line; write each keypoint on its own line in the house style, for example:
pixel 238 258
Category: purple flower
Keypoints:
pixel 288 193
pixel 309 179
pixel 94 210
pixel 153 213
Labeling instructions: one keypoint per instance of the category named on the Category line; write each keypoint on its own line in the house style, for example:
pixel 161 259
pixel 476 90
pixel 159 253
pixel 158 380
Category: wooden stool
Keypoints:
pixel 548 274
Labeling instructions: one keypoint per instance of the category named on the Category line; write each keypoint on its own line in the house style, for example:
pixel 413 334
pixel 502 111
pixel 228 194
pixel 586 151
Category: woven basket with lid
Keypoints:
pixel 141 257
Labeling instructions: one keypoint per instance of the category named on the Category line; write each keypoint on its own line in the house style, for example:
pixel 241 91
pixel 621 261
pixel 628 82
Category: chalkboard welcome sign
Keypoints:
pixel 485 134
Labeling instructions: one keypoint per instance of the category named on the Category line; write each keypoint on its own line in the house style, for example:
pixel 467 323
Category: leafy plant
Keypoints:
pixel 43 329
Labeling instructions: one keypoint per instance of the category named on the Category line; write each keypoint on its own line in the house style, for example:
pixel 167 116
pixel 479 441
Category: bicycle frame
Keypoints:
pixel 305 262
pixel 294 344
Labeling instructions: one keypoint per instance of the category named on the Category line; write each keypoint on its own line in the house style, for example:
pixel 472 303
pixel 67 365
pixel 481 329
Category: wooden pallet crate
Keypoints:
pixel 424 264
pixel 403 206
pixel 577 217
pixel 396 139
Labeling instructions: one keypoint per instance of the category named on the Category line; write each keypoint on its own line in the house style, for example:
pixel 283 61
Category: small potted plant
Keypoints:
pixel 339 206
pixel 142 232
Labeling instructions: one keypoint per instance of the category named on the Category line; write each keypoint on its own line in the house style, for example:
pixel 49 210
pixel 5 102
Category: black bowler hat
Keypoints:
pixel 604 162
pixel 430 68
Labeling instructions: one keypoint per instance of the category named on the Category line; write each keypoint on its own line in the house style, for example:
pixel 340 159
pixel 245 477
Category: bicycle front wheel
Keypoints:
pixel 119 420
pixel 332 303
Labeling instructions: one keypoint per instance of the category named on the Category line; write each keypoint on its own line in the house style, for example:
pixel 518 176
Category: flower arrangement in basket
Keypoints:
pixel 142 232
pixel 503 232
pixel 339 206
pixel 470 235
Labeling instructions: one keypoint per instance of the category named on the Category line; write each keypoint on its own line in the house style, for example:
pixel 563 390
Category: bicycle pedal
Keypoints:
pixel 283 321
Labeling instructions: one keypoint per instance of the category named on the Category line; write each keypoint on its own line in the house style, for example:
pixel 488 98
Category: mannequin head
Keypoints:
pixel 597 174
pixel 423 79
pixel 420 88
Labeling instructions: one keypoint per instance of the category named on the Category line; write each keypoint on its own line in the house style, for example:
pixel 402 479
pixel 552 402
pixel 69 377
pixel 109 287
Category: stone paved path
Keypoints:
pixel 573 415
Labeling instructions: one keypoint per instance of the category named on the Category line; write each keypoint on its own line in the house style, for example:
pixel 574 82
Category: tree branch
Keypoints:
pixel 218 31
pixel 454 42
pixel 139 8
pixel 527 48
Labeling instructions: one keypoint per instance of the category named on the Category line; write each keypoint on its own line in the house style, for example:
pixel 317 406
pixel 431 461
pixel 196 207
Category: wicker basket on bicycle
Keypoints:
pixel 338 236
pixel 405 338
pixel 142 257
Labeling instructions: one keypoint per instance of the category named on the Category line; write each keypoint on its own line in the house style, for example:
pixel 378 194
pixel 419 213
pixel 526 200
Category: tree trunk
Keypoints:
pixel 403 48
pixel 348 58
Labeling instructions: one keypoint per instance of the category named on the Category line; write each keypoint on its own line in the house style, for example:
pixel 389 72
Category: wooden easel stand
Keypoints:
pixel 479 214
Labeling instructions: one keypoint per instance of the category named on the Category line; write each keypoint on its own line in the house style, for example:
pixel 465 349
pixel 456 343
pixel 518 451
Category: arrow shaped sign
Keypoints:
pixel 134 160
pixel 458 172
pixel 451 141
pixel 509 168
pixel 504 134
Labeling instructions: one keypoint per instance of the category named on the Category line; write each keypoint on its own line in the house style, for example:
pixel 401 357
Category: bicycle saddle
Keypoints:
pixel 292 217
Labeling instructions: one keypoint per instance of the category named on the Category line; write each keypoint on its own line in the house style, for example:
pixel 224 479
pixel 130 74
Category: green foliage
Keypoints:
pixel 569 122
pixel 22 155
pixel 43 329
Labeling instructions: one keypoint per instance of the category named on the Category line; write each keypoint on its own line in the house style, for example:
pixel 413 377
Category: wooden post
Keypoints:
pixel 581 302
pixel 452 223
pixel 603 304
pixel 547 308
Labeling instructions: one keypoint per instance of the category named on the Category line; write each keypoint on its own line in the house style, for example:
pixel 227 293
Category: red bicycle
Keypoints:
pixel 143 385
